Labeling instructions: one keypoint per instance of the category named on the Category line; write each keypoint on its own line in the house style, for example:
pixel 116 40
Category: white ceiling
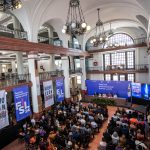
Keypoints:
pixel 37 12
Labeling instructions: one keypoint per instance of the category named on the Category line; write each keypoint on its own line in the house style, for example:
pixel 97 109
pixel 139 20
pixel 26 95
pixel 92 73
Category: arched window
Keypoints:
pixel 119 39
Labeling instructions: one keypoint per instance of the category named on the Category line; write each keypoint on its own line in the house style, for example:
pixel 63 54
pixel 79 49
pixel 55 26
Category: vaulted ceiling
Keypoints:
pixel 122 14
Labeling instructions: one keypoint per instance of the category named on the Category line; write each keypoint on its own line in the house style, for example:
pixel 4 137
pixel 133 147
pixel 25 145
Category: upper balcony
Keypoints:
pixel 74 46
pixel 126 44
pixel 8 80
pixel 4 31
pixel 51 41
pixel 75 71
pixel 111 69
pixel 51 74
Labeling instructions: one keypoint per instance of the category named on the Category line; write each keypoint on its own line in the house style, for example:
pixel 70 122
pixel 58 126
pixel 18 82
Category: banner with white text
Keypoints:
pixel 22 102
pixel 4 121
pixel 48 93
pixel 60 91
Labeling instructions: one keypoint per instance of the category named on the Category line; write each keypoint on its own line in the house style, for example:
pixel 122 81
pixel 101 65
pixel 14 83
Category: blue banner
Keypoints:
pixel 22 102
pixel 136 90
pixel 60 92
pixel 119 88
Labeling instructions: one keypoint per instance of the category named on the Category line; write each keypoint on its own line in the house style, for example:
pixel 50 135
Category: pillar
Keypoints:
pixel 1 70
pixel 52 63
pixel 17 27
pixel 35 89
pixel 149 68
pixel 65 68
pixel 83 78
pixel 13 66
pixel 72 63
pixel 50 34
pixel 20 67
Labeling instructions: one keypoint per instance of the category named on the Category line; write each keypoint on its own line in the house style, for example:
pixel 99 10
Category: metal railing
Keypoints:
pixel 74 71
pixel 75 46
pixel 50 41
pixel 50 74
pixel 13 79
pixel 141 67
pixel 136 42
pixel 15 33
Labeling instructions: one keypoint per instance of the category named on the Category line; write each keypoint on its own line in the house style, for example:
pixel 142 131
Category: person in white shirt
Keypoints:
pixel 115 96
pixel 115 138
pixel 102 145
pixel 139 143
pixel 33 122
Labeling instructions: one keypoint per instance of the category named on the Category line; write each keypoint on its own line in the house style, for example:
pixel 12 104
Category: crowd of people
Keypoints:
pixel 127 130
pixel 67 126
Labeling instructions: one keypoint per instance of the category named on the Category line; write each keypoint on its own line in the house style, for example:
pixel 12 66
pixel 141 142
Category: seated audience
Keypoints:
pixel 69 125
pixel 125 131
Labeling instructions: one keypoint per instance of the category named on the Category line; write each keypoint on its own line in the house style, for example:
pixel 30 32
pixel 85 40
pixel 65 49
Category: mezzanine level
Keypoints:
pixel 111 69
pixel 140 42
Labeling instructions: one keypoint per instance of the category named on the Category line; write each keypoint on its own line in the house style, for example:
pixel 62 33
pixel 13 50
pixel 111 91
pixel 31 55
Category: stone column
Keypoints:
pixel 83 78
pixel 65 68
pixel 149 68
pixel 52 63
pixel 1 70
pixel 13 66
pixel 20 67
pixel 17 27
pixel 36 94
pixel 72 63
pixel 50 34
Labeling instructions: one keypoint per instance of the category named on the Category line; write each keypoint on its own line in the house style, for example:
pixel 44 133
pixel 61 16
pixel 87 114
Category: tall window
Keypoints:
pixel 107 77
pixel 130 59
pixel 78 79
pixel 107 60
pixel 120 77
pixel 58 63
pixel 119 60
pixel 131 77
pixel 119 39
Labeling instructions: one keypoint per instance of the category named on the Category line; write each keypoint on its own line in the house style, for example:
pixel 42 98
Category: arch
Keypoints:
pixel 143 20
pixel 119 39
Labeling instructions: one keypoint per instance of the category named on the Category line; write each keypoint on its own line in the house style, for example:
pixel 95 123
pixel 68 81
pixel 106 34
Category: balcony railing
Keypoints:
pixel 50 41
pixel 74 71
pixel 50 74
pixel 74 46
pixel 15 33
pixel 127 44
pixel 141 67
pixel 7 80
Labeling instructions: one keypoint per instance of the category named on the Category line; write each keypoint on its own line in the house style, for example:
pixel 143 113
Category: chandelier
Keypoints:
pixel 100 35
pixel 10 4
pixel 75 24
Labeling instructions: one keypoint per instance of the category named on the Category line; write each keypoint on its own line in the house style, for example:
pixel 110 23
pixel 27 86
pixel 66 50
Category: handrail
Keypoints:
pixel 74 71
pixel 11 79
pixel 75 46
pixel 15 32
pixel 141 67
pixel 50 74
pixel 138 41
pixel 50 41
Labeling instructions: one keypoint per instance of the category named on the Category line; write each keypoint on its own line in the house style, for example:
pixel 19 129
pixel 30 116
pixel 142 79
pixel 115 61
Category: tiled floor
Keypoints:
pixel 93 145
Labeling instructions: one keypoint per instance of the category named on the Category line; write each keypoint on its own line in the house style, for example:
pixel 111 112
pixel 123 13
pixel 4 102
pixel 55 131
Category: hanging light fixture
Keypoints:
pixel 110 31
pixel 100 35
pixel 10 4
pixel 75 24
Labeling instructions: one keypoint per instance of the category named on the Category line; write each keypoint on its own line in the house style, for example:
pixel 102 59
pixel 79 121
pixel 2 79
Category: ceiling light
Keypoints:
pixel 75 24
